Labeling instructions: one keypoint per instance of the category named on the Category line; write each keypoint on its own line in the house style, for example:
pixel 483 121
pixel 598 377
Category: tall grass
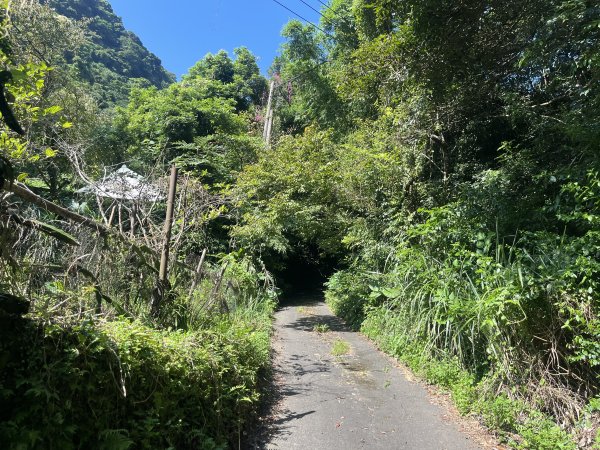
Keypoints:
pixel 91 367
pixel 487 318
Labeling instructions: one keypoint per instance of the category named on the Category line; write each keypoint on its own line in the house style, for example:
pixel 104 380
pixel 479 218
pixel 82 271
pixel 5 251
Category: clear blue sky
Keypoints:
pixel 180 32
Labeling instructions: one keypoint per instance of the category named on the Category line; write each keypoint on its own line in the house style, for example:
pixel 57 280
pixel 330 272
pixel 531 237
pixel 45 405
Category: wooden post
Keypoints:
pixel 120 219
pixel 162 284
pixel 101 209
pixel 132 220
pixel 164 257
pixel 112 216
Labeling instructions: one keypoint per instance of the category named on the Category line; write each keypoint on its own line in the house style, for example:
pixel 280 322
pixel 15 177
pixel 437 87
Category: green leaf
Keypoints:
pixel 50 153
pixel 53 110
pixel 391 292
pixel 36 183
pixel 67 124
pixel 55 232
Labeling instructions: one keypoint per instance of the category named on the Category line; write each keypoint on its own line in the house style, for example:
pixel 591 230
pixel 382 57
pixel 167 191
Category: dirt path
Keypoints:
pixel 352 401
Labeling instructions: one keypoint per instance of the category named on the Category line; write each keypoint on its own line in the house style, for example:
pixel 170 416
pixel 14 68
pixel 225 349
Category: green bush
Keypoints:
pixel 120 384
pixel 476 314
pixel 347 294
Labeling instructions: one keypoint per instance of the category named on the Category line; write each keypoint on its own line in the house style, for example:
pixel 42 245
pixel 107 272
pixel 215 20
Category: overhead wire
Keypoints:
pixel 319 64
pixel 303 18
pixel 311 7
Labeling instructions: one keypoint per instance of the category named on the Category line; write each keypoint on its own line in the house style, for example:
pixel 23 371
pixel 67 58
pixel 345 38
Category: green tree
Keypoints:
pixel 306 86
pixel 217 67
pixel 201 122
pixel 251 86
pixel 288 198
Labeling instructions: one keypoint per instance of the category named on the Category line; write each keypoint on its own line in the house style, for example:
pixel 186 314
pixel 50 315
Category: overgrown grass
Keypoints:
pixel 512 330
pixel 120 384
pixel 321 328
pixel 93 366
pixel 517 423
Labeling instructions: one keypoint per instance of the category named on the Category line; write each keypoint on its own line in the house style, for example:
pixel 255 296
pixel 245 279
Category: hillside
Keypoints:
pixel 112 55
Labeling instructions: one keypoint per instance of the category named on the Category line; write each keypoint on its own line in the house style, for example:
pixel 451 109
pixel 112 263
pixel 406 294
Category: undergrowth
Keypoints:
pixel 340 348
pixel 517 423
pixel 508 323
pixel 119 384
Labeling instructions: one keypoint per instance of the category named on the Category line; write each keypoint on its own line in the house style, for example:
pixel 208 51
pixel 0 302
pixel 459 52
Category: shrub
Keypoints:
pixel 115 384
pixel 347 294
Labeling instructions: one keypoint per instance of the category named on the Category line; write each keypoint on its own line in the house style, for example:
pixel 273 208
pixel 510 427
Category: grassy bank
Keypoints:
pixel 510 330
pixel 121 384
pixel 517 423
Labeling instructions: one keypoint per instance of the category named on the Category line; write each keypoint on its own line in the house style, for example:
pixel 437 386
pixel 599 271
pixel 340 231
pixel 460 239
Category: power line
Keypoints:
pixel 303 18
pixel 316 66
pixel 320 63
pixel 324 4
pixel 311 7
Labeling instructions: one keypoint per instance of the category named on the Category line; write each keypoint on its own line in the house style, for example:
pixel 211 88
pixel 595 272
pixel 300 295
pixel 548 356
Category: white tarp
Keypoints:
pixel 124 184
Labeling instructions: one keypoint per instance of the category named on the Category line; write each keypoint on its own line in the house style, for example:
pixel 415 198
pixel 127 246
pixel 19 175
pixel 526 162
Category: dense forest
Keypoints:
pixel 435 162
pixel 111 59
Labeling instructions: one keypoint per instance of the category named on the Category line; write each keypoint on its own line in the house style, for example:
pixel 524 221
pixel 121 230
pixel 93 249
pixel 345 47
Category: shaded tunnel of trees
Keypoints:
pixel 304 271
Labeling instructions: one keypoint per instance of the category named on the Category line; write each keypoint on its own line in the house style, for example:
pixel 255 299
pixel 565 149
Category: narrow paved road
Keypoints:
pixel 356 401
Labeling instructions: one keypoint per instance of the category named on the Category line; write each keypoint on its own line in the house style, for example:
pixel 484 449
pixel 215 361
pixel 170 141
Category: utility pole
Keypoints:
pixel 269 115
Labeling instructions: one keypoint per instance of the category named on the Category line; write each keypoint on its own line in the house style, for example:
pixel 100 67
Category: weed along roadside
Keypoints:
pixel 185 388
pixel 340 348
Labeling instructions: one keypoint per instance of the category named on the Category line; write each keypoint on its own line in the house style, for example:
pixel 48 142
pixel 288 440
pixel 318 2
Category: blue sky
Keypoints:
pixel 180 32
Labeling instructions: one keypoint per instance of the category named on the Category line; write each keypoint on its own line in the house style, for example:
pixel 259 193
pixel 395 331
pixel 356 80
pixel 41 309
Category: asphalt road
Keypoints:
pixel 361 400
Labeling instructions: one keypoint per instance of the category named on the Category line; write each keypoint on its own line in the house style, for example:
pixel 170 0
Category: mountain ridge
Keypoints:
pixel 113 59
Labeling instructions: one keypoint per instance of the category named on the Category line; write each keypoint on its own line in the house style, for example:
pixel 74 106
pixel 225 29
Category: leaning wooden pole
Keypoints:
pixel 21 191
pixel 24 193
pixel 164 257
pixel 162 285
